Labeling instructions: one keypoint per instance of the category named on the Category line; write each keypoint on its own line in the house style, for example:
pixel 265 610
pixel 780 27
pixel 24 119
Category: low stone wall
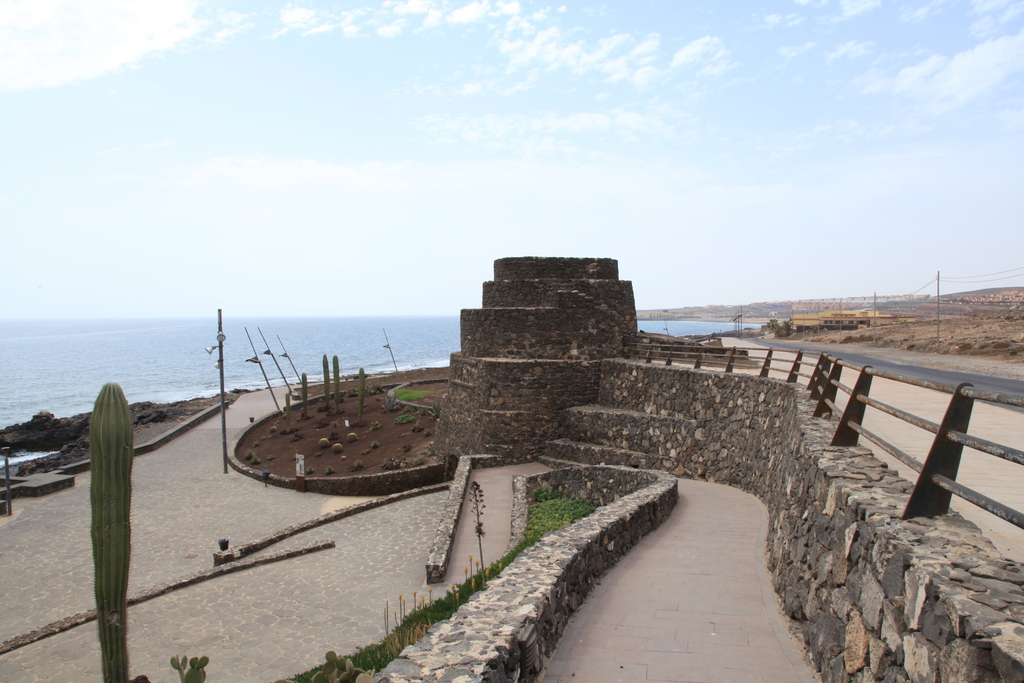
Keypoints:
pixel 508 631
pixel 441 549
pixel 596 485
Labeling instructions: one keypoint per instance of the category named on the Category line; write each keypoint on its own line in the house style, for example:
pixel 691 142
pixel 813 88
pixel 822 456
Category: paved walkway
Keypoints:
pixel 691 603
pixel 257 625
pixel 496 483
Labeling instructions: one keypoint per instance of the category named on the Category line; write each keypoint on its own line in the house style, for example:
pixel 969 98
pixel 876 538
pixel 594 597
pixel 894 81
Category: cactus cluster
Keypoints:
pixel 339 670
pixel 195 673
pixel 111 450
pixel 362 394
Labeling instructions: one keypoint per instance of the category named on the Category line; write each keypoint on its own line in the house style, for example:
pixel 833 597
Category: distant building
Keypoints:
pixel 843 320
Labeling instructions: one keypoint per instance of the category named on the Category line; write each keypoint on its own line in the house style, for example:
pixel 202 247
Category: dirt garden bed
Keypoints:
pixel 336 444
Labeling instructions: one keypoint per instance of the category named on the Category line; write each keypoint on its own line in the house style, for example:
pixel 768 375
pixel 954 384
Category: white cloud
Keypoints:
pixel 995 14
pixel 466 14
pixel 943 83
pixel 796 50
pixel 1013 119
pixel 852 8
pixel 471 89
pixel 391 30
pixel 275 174
pixel 619 57
pixel 413 7
pixel 851 50
pixel 549 132
pixel 56 42
pixel 708 52
pixel 921 12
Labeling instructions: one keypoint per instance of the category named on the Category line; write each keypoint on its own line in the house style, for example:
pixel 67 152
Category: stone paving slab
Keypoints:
pixel 183 503
pixel 692 602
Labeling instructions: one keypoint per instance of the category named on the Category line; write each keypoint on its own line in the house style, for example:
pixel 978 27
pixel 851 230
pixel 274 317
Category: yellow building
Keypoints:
pixel 842 320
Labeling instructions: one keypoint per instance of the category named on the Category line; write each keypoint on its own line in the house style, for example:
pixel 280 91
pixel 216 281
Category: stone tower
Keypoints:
pixel 533 350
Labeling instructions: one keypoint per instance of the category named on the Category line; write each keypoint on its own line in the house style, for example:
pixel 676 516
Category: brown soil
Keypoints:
pixel 398 445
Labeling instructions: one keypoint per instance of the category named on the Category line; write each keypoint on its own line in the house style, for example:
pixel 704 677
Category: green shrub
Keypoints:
pixel 545 493
pixel 554 514
pixel 310 470
pixel 405 419
pixel 358 465
pixel 330 470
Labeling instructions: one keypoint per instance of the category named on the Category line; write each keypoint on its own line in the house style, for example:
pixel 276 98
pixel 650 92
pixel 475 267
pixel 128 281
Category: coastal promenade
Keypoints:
pixel 260 624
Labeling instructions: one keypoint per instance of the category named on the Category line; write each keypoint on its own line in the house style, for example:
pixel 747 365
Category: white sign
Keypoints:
pixel 300 465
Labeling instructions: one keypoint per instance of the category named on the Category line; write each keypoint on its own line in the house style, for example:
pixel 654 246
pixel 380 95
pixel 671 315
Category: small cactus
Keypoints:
pixel 352 437
pixel 330 470
pixel 305 396
pixel 288 411
pixel 337 384
pixel 195 673
pixel 310 470
pixel 358 465
pixel 325 442
pixel 362 394
pixel 273 429
pixel 327 384
pixel 374 426
pixel 250 454
pixel 374 445
pixel 337 448
pixel 255 460
pixel 390 404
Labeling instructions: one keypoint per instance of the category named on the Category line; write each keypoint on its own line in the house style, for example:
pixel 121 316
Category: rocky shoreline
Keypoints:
pixel 70 435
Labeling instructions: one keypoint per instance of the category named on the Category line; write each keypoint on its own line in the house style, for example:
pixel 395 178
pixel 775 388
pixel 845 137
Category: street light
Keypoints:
pixel 220 366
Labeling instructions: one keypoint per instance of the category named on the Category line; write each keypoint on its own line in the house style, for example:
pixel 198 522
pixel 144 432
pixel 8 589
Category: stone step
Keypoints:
pixel 631 430
pixel 578 452
pixel 37 485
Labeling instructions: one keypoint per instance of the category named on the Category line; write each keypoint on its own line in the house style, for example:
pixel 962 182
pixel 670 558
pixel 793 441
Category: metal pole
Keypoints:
pixel 874 322
pixel 388 347
pixel 223 408
pixel 270 353
pixel 256 359
pixel 938 306
pixel 298 378
pixel 7 478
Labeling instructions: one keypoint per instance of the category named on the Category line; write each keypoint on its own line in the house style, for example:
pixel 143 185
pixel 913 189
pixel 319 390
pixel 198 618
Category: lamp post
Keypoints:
pixel 220 366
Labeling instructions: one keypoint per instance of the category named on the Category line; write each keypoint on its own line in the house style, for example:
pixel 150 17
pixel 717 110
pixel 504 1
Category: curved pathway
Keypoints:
pixel 257 625
pixel 692 602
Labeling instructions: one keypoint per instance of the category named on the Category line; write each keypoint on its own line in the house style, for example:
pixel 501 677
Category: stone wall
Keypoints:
pixel 508 631
pixel 594 484
pixel 555 268
pixel 563 332
pixel 615 294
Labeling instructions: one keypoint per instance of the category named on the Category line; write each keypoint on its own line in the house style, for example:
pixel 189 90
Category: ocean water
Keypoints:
pixel 681 328
pixel 60 365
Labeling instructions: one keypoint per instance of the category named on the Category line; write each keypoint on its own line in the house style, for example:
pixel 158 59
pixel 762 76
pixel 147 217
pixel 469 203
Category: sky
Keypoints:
pixel 306 158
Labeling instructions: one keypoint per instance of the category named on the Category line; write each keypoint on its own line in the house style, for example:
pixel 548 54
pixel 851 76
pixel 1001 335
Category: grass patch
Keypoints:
pixel 410 395
pixel 412 624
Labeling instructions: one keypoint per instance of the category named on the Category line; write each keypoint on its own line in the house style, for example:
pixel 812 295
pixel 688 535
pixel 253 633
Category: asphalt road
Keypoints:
pixel 984 382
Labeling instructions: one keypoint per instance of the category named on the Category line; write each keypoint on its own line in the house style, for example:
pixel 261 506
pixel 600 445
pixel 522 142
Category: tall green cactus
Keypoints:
pixel 337 384
pixel 111 450
pixel 305 396
pixel 288 411
pixel 362 393
pixel 327 384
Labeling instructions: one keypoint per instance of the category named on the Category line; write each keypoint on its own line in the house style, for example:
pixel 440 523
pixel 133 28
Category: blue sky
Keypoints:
pixel 295 158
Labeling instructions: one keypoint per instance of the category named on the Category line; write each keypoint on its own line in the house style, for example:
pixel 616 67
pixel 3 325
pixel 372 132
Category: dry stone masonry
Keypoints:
pixel 533 350
pixel 877 598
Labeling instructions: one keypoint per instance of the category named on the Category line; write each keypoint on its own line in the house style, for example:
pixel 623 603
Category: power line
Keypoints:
pixel 979 282
pixel 971 277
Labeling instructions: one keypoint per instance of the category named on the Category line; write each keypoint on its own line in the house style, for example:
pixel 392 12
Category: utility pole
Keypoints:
pixel 938 306
pixel 874 321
